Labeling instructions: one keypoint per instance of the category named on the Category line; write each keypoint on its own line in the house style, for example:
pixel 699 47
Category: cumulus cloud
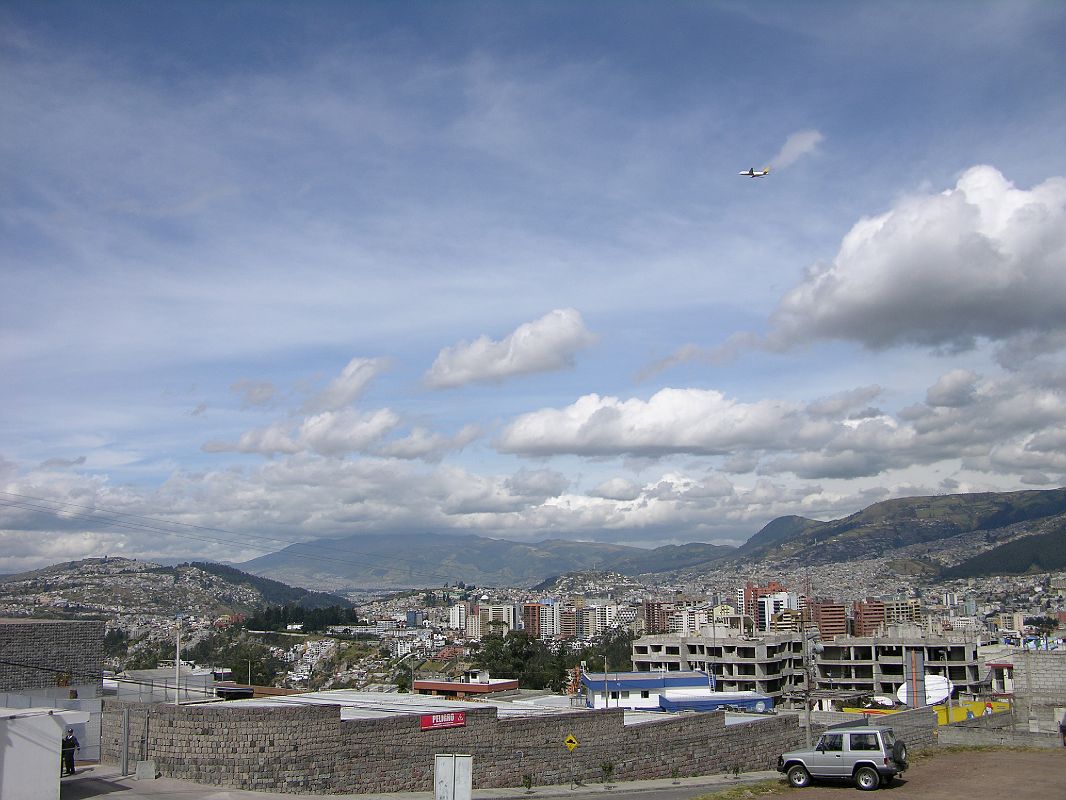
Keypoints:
pixel 671 421
pixel 347 387
pixel 428 445
pixel 982 260
pixel 616 489
pixel 953 390
pixel 331 433
pixel 544 345
pixel 841 403
pixel 796 146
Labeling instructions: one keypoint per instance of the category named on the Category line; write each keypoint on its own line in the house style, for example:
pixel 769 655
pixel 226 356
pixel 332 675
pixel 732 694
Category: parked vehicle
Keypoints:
pixel 869 756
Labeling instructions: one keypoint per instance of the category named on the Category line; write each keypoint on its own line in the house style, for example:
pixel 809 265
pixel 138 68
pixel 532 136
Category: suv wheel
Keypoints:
pixel 899 753
pixel 867 779
pixel 798 777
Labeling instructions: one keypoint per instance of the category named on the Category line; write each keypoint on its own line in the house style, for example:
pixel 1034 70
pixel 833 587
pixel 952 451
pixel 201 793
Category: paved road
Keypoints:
pixel 104 780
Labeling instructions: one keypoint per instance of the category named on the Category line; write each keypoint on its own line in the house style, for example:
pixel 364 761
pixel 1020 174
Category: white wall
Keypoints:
pixel 30 754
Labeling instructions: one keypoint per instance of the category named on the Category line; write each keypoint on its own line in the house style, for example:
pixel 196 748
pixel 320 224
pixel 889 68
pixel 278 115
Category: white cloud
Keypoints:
pixel 428 445
pixel 347 387
pixel 796 146
pixel 954 389
pixel 672 421
pixel 544 345
pixel 984 259
pixel 616 489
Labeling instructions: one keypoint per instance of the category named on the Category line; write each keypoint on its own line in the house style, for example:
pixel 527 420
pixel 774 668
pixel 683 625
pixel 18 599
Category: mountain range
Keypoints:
pixel 943 532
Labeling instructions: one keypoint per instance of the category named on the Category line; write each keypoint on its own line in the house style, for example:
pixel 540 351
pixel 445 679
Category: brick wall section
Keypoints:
pixel 309 749
pixel 1040 688
pixel 50 648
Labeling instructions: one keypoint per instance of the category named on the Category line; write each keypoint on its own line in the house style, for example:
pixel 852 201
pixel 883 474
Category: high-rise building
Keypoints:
pixel 831 618
pixel 869 617
pixel 657 616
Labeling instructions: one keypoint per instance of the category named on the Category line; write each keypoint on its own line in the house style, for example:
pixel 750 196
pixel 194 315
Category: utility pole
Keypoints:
pixel 249 672
pixel 177 664
pixel 606 693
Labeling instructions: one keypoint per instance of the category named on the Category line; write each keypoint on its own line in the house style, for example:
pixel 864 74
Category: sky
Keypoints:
pixel 274 272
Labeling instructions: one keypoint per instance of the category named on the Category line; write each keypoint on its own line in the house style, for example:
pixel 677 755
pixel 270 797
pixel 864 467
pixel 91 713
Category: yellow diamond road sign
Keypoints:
pixel 570 742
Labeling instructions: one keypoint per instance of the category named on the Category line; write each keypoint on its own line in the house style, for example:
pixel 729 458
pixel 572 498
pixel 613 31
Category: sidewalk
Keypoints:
pixel 102 780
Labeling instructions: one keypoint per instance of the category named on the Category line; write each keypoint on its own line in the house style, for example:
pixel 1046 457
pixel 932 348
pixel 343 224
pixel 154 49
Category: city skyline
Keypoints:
pixel 302 271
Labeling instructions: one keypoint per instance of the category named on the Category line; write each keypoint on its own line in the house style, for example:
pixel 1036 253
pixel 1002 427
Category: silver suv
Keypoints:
pixel 869 756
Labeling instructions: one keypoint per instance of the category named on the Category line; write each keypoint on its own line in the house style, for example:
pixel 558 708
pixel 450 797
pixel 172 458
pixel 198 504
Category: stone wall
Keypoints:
pixel 1040 688
pixel 309 749
pixel 996 730
pixel 51 656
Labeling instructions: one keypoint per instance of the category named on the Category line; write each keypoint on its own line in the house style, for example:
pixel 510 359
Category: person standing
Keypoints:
pixel 70 744
pixel 1062 728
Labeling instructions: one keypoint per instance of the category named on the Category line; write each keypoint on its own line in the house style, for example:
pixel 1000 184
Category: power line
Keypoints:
pixel 115 519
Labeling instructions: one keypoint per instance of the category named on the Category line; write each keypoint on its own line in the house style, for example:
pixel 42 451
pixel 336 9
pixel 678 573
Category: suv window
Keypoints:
pixel 864 741
pixel 833 741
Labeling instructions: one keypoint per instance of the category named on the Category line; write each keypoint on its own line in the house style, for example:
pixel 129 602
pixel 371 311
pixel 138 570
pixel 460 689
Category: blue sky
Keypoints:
pixel 300 270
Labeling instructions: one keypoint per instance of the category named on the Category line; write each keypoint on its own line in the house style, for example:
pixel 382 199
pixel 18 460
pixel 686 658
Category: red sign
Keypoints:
pixel 445 719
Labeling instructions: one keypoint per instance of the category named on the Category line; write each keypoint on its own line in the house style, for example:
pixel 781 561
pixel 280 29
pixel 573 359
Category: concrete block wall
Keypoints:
pixel 1040 688
pixel 309 749
pixel 917 727
pixel 41 655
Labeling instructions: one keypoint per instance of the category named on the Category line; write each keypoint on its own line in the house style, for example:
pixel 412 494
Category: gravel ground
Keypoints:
pixel 965 775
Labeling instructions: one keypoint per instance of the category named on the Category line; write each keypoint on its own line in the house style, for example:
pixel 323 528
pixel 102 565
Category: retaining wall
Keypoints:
pixel 309 749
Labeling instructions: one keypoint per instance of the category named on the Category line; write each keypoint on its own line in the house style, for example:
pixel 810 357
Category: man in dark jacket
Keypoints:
pixel 70 744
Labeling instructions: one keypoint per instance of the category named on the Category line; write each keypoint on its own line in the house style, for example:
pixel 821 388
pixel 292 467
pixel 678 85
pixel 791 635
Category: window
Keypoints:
pixel 832 742
pixel 864 741
pixel 644 695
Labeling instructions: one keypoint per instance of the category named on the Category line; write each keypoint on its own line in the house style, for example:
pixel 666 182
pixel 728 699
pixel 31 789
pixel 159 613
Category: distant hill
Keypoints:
pixel 889 526
pixel 776 531
pixel 405 560
pixel 1044 552
pixel 926 529
pixel 107 586
pixel 274 593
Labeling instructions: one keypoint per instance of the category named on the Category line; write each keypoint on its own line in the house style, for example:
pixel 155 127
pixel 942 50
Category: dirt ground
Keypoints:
pixel 964 775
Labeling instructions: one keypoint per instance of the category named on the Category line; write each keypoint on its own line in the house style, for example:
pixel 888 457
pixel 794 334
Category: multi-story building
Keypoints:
pixel 657 616
pixel 831 618
pixel 900 612
pixel 875 664
pixel 869 617
pixel 769 665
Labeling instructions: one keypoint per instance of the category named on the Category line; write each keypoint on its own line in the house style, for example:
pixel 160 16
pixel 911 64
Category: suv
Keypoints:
pixel 869 756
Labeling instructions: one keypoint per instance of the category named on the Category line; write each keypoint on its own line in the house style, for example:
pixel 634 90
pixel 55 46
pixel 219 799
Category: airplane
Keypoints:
pixel 751 173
